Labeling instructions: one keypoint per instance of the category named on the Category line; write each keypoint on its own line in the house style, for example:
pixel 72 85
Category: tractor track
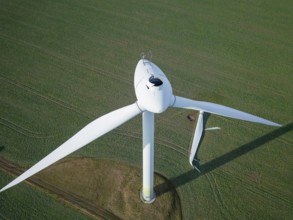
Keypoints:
pixel 99 36
pixel 80 203
pixel 225 208
pixel 29 133
pixel 24 131
pixel 260 191
pixel 217 196
pixel 49 98
pixel 66 59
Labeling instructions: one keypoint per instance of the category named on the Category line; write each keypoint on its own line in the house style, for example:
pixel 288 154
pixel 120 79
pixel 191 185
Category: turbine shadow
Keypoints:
pixel 2 147
pixel 221 160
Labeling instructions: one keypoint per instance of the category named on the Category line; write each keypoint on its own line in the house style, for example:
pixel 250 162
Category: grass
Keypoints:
pixel 64 63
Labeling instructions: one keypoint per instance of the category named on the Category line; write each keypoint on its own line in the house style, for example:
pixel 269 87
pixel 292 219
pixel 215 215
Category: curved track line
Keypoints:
pixel 219 195
pixel 24 131
pixel 66 22
pixel 265 193
pixel 158 141
pixel 67 59
pixel 29 133
pixel 45 97
pixel 216 196
pixel 74 200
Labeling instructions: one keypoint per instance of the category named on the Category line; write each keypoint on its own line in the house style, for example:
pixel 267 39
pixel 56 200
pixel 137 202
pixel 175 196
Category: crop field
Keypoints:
pixel 64 63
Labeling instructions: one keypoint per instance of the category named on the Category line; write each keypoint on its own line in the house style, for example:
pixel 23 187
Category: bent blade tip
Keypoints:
pixel 197 169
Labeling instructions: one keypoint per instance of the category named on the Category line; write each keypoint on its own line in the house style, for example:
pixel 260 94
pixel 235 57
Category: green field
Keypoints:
pixel 64 63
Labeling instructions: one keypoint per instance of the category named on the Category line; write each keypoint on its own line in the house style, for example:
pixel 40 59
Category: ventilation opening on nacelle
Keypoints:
pixel 155 81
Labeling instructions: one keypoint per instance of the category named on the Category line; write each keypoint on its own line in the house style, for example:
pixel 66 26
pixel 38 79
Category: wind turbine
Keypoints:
pixel 154 95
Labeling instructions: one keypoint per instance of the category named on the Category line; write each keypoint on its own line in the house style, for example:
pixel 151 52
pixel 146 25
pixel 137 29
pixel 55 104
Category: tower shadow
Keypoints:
pixel 221 160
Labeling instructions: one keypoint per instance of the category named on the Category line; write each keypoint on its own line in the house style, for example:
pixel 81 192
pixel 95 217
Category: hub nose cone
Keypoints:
pixel 152 88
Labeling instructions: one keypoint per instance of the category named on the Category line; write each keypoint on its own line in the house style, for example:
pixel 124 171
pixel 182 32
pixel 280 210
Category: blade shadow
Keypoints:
pixel 221 160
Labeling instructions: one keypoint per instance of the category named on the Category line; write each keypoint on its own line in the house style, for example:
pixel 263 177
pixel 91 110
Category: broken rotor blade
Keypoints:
pixel 196 137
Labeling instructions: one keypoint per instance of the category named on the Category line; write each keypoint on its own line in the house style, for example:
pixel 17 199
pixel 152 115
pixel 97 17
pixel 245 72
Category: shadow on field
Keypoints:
pixel 220 161
pixel 1 148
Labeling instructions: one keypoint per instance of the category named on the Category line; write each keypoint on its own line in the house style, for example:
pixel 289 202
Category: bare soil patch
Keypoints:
pixel 113 187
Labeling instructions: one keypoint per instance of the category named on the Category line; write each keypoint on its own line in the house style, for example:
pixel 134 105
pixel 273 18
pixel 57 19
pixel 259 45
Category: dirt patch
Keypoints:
pixel 113 187
pixel 254 177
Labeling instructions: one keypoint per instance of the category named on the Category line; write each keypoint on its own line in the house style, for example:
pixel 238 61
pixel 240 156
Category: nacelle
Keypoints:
pixel 152 88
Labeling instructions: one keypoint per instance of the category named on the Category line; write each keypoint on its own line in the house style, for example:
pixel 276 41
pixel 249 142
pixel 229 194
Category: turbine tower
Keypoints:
pixel 154 95
pixel 147 194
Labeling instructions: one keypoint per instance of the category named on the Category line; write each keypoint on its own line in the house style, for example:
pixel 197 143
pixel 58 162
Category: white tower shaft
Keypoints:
pixel 147 193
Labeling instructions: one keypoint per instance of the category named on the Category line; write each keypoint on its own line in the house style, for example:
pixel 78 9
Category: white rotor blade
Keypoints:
pixel 92 131
pixel 196 137
pixel 217 109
